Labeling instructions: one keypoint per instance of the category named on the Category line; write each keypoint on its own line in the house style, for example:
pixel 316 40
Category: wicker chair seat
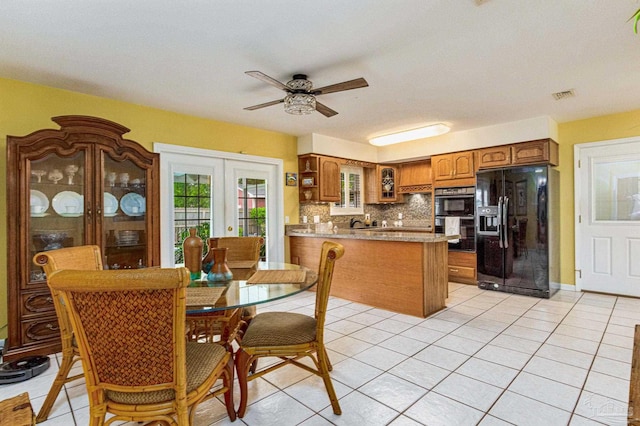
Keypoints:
pixel 202 359
pixel 291 337
pixel 280 329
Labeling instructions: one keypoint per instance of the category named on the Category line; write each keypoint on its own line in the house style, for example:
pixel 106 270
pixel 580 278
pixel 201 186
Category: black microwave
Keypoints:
pixel 455 201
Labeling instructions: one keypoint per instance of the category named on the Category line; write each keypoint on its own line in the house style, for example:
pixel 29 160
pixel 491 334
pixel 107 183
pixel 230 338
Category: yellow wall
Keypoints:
pixel 596 129
pixel 26 107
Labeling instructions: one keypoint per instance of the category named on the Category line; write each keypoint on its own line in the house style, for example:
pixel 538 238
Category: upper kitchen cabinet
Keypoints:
pixel 496 156
pixel 543 151
pixel 532 152
pixel 319 178
pixel 382 184
pixel 453 169
pixel 82 184
pixel 415 176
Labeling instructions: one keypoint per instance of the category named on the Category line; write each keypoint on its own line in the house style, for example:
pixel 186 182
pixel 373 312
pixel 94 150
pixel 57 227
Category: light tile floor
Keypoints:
pixel 490 358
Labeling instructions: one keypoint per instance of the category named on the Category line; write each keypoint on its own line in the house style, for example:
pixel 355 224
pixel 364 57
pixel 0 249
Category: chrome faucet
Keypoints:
pixel 353 221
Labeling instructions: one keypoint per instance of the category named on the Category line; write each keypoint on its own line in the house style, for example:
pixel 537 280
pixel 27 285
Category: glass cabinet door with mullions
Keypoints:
pixel 82 184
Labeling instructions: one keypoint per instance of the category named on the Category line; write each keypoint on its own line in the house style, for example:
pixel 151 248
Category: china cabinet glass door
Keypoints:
pixel 56 205
pixel 123 214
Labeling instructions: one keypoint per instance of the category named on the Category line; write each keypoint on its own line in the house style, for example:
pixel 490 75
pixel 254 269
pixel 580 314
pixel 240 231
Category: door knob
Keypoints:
pixel 230 228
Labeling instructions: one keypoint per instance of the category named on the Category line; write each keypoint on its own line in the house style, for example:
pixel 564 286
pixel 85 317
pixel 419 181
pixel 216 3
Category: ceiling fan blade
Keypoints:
pixel 269 80
pixel 266 104
pixel 339 87
pixel 325 110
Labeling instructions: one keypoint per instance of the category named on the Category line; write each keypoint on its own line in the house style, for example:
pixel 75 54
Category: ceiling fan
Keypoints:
pixel 301 97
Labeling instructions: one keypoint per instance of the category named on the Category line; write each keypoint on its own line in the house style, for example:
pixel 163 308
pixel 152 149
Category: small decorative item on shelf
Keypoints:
pixel 192 252
pixel 71 171
pixel 220 271
pixel 111 178
pixel 307 167
pixel 53 240
pixel 124 179
pixel 307 194
pixel 308 181
pixel 38 174
pixel 55 175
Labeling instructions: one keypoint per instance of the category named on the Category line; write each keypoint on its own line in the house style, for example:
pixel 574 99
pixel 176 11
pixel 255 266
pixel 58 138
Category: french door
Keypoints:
pixel 607 191
pixel 219 194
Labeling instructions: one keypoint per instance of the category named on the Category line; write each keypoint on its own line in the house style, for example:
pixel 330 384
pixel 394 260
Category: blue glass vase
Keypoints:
pixel 219 271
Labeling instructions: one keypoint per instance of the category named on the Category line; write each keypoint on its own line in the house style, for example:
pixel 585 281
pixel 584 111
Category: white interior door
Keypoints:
pixel 607 191
pixel 234 186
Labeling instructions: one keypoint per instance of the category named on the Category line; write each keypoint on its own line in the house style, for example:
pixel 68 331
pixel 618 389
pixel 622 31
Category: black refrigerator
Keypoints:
pixel 517 238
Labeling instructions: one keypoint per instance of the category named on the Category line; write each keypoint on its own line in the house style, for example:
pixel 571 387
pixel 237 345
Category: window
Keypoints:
pixel 351 196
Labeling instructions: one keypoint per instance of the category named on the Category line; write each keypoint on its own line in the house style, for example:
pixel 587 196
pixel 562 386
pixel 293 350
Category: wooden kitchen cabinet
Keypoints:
pixel 462 267
pixel 415 176
pixel 458 165
pixel 329 179
pixel 542 151
pixel 382 184
pixel 319 178
pixel 535 152
pixel 496 156
pixel 82 184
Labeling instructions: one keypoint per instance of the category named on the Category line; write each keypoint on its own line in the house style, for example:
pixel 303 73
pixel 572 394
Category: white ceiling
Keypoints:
pixel 426 61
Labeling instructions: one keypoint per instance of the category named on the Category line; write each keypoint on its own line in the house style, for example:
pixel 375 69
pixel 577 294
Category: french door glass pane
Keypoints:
pixel 252 210
pixel 616 190
pixel 192 209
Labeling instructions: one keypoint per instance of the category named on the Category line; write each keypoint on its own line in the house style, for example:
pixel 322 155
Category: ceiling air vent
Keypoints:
pixel 563 95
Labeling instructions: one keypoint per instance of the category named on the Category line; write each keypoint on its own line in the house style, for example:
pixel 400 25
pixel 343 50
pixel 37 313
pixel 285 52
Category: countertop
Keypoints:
pixel 416 235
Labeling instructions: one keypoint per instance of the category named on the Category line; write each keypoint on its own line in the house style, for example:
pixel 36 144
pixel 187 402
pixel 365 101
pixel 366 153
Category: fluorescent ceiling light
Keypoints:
pixel 410 135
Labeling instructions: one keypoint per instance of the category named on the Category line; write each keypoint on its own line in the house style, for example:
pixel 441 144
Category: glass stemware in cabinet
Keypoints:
pixel 55 176
pixel 38 174
pixel 71 171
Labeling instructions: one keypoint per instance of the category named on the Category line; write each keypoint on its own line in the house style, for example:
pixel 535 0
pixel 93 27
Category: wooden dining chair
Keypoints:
pixel 130 329
pixel 226 325
pixel 242 249
pixel 84 258
pixel 291 336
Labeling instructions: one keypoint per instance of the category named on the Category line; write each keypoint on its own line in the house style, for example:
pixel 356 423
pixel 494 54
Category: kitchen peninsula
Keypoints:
pixel 390 268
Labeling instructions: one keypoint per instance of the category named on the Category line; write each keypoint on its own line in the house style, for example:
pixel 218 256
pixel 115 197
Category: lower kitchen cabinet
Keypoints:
pixel 462 267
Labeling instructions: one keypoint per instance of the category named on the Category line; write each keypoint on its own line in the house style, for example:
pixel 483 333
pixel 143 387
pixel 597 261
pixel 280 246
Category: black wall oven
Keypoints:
pixel 457 204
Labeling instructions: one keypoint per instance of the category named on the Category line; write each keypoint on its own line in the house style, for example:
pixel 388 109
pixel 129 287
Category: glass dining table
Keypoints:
pixel 252 284
pixel 259 283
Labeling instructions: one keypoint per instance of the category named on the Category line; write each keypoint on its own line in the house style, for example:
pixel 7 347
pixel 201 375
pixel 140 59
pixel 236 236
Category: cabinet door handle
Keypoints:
pixel 453 270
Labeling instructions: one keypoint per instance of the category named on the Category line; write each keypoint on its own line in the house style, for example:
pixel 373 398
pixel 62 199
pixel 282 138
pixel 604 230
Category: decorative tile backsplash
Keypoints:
pixel 416 211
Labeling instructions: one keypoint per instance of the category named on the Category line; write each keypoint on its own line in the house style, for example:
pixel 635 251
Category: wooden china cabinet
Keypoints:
pixel 82 184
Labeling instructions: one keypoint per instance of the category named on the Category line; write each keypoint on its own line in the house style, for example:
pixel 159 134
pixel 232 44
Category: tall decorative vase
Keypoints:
pixel 192 251
pixel 220 271
pixel 207 260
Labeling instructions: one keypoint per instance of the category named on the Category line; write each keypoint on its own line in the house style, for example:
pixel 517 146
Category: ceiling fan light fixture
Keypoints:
pixel 410 135
pixel 300 82
pixel 299 103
